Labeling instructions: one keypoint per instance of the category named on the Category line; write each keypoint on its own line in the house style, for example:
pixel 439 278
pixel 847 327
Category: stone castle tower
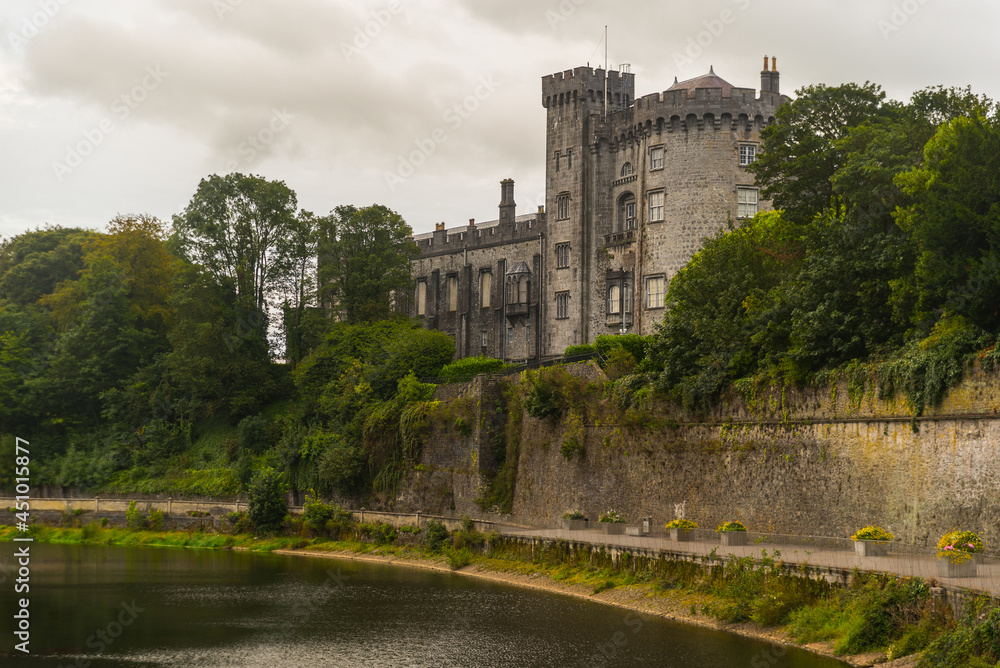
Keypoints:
pixel 632 186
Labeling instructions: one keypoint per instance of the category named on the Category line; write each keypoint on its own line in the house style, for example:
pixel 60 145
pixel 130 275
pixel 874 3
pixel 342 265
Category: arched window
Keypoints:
pixel 614 300
pixel 522 290
pixel 627 169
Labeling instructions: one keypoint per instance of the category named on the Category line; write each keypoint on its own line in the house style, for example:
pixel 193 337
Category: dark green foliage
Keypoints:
pixel 546 395
pixel 463 369
pixel 378 533
pixel 435 535
pixel 579 350
pixel 253 434
pixel 974 642
pixel 267 506
pixel 635 345
pixel 324 519
pixel 134 518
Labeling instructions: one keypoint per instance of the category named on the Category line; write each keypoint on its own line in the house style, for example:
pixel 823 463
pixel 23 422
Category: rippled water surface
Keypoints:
pixel 120 607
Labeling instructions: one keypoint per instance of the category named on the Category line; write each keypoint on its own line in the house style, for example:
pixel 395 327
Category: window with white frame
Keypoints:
pixel 453 293
pixel 562 256
pixel 654 292
pixel 485 289
pixel 656 205
pixel 485 338
pixel 746 199
pixel 421 297
pixel 510 335
pixel 626 212
pixel 562 207
pixel 562 305
pixel 627 169
pixel 748 153
pixel 656 158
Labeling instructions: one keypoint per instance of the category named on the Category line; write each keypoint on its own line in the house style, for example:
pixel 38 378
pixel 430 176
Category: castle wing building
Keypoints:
pixel 633 186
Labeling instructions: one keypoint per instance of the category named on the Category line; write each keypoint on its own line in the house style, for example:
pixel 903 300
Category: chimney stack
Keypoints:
pixel 769 77
pixel 765 79
pixel 507 205
pixel 775 88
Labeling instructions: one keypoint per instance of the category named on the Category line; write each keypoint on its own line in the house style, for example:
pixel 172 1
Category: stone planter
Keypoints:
pixel 680 535
pixel 733 538
pixel 967 569
pixel 871 548
pixel 612 528
pixel 574 525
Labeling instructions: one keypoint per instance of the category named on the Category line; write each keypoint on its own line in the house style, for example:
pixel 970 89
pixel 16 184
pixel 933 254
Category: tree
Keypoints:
pixel 240 228
pixel 365 261
pixel 267 505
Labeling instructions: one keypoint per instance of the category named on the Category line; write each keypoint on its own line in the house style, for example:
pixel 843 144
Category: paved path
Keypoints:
pixel 842 561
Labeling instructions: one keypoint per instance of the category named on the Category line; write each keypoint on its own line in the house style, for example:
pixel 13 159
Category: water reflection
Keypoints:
pixel 208 609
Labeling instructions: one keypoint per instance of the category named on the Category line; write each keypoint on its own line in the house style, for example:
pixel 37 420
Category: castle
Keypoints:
pixel 632 187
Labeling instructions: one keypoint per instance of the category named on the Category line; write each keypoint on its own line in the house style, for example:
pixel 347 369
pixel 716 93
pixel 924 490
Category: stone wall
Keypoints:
pixel 820 461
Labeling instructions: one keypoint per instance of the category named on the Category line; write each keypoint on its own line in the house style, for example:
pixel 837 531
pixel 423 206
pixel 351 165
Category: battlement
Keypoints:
pixel 586 85
pixel 441 241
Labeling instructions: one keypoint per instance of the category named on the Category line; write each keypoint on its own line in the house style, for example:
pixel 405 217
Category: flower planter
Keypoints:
pixel 680 535
pixel 948 569
pixel 612 528
pixel 733 538
pixel 871 548
pixel 575 525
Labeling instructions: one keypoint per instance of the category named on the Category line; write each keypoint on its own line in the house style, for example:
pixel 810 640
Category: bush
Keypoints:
pixel 135 520
pixel 579 350
pixel 253 434
pixel 682 524
pixel 465 368
pixel 457 557
pixel 872 533
pixel 324 519
pixel 731 526
pixel 239 523
pixel 155 519
pixel 267 506
pixel 435 535
pixel 378 533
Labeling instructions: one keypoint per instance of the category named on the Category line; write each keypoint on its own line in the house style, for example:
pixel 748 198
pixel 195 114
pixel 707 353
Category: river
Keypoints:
pixel 104 607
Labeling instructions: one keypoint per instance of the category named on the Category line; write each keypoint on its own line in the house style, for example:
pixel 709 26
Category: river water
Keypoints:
pixel 102 607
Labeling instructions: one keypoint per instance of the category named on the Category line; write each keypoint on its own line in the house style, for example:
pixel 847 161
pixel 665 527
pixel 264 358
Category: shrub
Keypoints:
pixel 682 524
pixel 135 520
pixel 731 526
pixel 267 506
pixel 239 522
pixel 457 557
pixel 574 515
pixel 435 535
pixel 378 533
pixel 578 350
pixel 465 368
pixel 155 519
pixel 872 533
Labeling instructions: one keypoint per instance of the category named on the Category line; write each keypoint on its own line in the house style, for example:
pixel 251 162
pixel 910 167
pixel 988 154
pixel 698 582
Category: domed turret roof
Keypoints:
pixel 710 80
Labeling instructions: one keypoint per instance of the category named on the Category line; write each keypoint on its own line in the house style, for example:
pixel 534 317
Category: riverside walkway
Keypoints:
pixel 833 557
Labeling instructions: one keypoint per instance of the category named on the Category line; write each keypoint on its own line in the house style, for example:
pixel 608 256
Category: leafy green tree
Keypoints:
pixel 365 262
pixel 267 506
pixel 954 219
pixel 241 229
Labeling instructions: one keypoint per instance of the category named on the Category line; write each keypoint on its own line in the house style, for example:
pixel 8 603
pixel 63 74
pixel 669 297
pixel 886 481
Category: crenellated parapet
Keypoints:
pixel 475 237
pixel 585 87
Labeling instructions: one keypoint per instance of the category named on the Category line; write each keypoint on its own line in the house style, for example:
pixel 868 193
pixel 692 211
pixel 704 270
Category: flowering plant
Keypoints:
pixel 682 524
pixel 611 517
pixel 731 526
pixel 872 533
pixel 959 546
pixel 573 515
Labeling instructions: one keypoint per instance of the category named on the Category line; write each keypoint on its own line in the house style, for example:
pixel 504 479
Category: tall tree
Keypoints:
pixel 365 261
pixel 239 228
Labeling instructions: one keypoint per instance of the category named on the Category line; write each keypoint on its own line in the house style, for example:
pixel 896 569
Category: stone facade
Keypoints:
pixel 633 186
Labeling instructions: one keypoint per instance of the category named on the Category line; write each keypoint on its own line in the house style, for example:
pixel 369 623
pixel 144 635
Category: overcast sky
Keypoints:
pixel 111 107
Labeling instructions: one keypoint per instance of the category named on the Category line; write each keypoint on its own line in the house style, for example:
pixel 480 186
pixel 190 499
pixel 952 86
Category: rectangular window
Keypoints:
pixel 614 300
pixel 562 305
pixel 656 206
pixel 510 335
pixel 654 292
pixel 453 293
pixel 562 256
pixel 485 289
pixel 527 332
pixel 485 338
pixel 746 199
pixel 748 153
pixel 656 158
pixel 562 207
pixel 629 214
pixel 569 158
pixel 557 160
pixel 421 297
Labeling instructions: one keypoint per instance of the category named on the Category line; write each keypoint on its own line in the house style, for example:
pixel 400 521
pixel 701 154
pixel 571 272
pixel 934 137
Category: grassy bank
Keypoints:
pixel 877 617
